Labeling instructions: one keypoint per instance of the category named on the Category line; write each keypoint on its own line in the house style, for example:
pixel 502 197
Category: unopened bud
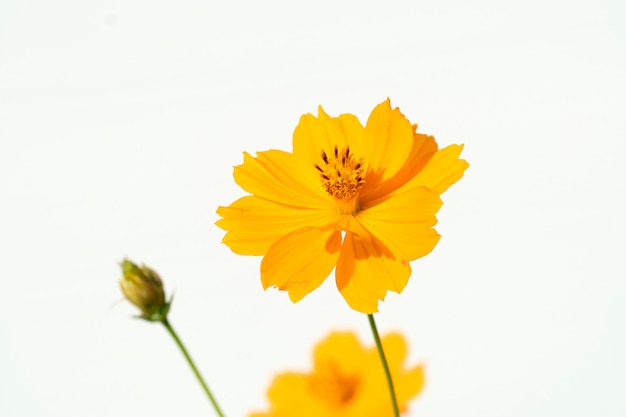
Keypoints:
pixel 143 287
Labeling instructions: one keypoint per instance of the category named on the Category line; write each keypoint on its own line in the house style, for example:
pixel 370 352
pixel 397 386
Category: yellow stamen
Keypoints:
pixel 342 176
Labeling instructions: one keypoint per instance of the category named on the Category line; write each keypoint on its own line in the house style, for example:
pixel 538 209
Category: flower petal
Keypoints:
pixel 395 350
pixel 387 143
pixel 290 395
pixel 403 222
pixel 300 261
pixel 409 384
pixel 444 169
pixel 322 133
pixel 424 147
pixel 279 177
pixel 254 224
pixel 341 348
pixel 366 270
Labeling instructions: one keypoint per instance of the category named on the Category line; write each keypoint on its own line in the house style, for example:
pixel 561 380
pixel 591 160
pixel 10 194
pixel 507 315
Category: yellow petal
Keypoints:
pixel 349 223
pixel 395 350
pixel 366 270
pixel 424 147
pixel 300 261
pixel 342 348
pixel 290 396
pixel 444 169
pixel 316 134
pixel 277 176
pixel 388 141
pixel 403 222
pixel 408 384
pixel 254 224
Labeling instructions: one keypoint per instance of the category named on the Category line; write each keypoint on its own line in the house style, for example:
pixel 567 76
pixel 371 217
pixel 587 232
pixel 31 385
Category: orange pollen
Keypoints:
pixel 341 174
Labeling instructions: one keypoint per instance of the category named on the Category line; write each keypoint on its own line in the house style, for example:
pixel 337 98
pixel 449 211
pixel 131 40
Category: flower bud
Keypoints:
pixel 143 287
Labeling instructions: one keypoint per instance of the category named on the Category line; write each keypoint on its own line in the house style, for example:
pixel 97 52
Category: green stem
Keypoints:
pixel 193 366
pixel 381 353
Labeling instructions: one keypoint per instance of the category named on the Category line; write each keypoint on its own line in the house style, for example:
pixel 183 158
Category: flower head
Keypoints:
pixel 358 199
pixel 143 287
pixel 347 380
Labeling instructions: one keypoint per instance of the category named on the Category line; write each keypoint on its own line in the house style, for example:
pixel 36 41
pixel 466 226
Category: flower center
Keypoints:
pixel 330 384
pixel 341 175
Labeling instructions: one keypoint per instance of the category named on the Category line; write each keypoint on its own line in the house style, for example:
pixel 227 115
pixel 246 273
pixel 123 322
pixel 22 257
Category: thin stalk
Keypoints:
pixel 381 353
pixel 193 367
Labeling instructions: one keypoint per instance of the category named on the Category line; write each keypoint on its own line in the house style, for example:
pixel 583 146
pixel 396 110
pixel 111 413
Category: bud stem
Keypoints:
pixel 381 353
pixel 193 366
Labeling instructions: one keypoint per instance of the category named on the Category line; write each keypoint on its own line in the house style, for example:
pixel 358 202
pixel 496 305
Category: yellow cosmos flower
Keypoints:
pixel 358 199
pixel 347 380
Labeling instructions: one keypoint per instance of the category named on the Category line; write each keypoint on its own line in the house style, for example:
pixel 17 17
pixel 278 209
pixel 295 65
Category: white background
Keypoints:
pixel 120 122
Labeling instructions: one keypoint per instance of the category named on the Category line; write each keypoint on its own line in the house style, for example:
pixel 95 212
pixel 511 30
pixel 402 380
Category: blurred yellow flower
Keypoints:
pixel 347 380
pixel 358 199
